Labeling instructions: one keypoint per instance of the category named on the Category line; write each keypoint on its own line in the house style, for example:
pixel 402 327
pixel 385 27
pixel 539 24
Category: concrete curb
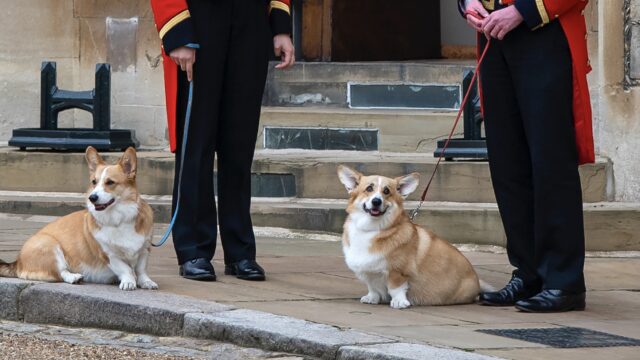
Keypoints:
pixel 276 333
pixel 103 307
pixel 163 314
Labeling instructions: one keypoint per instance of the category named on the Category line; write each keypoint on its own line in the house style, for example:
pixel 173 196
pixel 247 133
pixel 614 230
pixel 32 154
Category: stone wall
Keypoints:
pixel 74 34
pixel 617 93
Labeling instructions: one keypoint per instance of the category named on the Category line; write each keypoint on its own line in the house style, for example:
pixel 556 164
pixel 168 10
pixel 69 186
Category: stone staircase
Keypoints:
pixel 302 141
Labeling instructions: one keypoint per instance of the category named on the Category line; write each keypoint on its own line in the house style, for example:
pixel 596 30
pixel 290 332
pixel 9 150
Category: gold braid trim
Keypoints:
pixel 279 5
pixel 543 11
pixel 488 4
pixel 173 22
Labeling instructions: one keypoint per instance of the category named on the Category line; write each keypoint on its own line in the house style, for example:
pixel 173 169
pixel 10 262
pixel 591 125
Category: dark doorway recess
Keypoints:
pixel 379 30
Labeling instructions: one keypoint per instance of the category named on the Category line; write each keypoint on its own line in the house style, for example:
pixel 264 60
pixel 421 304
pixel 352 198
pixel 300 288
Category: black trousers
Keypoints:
pixel 229 78
pixel 527 84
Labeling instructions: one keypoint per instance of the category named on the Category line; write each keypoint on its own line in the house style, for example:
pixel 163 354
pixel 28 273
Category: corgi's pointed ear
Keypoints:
pixel 93 158
pixel 408 184
pixel 349 177
pixel 129 162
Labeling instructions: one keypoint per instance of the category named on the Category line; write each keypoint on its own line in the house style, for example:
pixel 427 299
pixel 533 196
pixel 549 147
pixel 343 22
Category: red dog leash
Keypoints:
pixel 414 213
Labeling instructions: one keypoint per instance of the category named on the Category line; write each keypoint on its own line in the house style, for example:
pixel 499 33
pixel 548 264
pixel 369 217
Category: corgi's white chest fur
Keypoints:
pixel 117 233
pixel 122 240
pixel 358 255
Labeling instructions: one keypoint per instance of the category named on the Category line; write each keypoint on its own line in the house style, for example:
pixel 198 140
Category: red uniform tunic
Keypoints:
pixel 173 22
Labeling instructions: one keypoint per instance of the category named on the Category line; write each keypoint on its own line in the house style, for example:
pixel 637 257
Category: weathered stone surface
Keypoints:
pixel 405 351
pixel 108 307
pixel 320 72
pixel 275 332
pixel 635 52
pixel 113 8
pixel 315 173
pixel 49 25
pixel 397 127
pixel 72 33
pixel 608 226
pixel 10 290
pixel 321 138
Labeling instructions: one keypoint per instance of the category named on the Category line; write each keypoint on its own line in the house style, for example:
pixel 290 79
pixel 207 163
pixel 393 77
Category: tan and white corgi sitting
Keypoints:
pixel 109 241
pixel 400 262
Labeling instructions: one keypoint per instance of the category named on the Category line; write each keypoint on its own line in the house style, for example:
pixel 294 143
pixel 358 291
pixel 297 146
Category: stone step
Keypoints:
pixel 299 173
pixel 608 226
pixel 317 128
pixel 428 84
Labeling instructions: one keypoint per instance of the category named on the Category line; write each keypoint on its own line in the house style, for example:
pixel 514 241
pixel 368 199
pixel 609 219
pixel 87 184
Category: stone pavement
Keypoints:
pixel 307 279
pixel 29 341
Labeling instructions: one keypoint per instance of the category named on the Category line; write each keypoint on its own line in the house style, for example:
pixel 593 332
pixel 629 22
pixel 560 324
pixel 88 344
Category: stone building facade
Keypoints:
pixel 77 34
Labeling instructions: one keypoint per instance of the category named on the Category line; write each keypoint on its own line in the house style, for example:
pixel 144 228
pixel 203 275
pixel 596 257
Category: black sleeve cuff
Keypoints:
pixel 462 7
pixel 529 11
pixel 180 35
pixel 280 22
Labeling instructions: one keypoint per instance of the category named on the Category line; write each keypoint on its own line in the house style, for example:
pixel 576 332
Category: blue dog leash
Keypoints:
pixel 187 120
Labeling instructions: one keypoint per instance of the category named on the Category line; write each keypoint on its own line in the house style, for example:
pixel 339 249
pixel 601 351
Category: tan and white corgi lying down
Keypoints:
pixel 401 263
pixel 108 242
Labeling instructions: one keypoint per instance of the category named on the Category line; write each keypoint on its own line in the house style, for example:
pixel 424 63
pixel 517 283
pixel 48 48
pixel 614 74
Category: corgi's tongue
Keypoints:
pixel 375 212
pixel 100 207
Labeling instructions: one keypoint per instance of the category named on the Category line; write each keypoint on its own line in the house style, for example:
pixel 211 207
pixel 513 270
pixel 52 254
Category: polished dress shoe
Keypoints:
pixel 245 270
pixel 515 290
pixel 553 301
pixel 198 269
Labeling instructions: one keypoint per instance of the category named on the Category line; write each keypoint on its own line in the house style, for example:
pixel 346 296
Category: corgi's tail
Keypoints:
pixel 485 287
pixel 8 270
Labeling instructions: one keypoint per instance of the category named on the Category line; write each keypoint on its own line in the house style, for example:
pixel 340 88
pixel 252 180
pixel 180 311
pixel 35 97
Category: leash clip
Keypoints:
pixel 414 212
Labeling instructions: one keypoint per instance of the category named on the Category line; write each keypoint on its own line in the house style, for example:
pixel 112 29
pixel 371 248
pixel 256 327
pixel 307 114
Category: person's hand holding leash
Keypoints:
pixel 500 22
pixel 283 48
pixel 475 14
pixel 185 57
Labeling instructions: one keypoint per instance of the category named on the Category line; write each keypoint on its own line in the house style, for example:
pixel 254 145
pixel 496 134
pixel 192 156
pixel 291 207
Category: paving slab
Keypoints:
pixel 405 351
pixel 460 336
pixel 350 313
pixel 617 353
pixel 305 272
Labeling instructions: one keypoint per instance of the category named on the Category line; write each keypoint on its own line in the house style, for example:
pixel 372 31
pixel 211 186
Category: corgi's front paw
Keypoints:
pixel 148 284
pixel 72 278
pixel 370 298
pixel 128 284
pixel 400 303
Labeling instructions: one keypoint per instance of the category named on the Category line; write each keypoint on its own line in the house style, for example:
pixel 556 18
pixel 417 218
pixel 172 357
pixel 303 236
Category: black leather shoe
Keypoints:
pixel 515 290
pixel 553 301
pixel 198 269
pixel 245 270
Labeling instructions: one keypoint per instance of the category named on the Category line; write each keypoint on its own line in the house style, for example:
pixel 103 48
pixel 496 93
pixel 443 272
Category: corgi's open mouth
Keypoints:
pixel 375 212
pixel 100 207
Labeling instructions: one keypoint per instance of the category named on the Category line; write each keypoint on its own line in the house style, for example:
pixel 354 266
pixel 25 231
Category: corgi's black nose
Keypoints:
pixel 93 198
pixel 376 202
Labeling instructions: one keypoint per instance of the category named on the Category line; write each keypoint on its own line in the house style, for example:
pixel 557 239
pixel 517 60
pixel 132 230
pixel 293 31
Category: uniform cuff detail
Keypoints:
pixel 179 35
pixel 279 5
pixel 280 21
pixel 532 13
